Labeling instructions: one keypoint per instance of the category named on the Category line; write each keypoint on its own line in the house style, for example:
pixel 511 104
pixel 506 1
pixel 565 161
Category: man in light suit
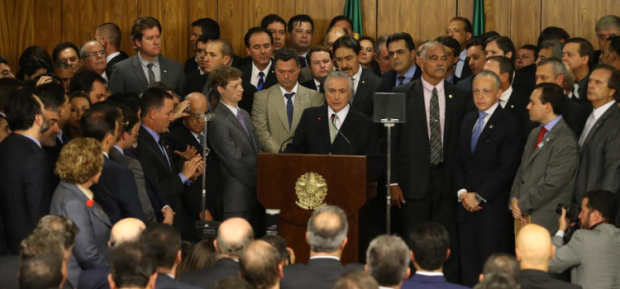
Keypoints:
pixel 235 142
pixel 599 162
pixel 548 168
pixel 593 252
pixel 490 144
pixel 365 83
pixel 277 110
pixel 147 66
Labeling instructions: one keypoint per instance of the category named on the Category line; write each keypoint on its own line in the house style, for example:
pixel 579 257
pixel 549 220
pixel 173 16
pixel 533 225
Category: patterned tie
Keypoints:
pixel 333 129
pixel 261 81
pixel 477 130
pixel 201 139
pixel 435 140
pixel 541 135
pixel 162 146
pixel 289 107
pixel 151 73
pixel 242 121
pixel 354 91
pixel 400 79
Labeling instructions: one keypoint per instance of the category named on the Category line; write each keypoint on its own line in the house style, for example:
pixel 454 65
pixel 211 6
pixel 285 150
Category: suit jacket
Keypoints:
pixel 583 93
pixel 312 134
pixel 117 192
pixel 248 100
pixel 305 74
pixel 534 279
pixel 237 152
pixel 388 80
pixel 270 119
pixel 113 61
pixel 576 116
pixel 128 75
pixel 546 175
pixel 429 282
pixel 411 146
pixel 191 66
pixel 365 92
pixel 490 169
pixel 206 278
pixel 594 256
pixel 599 163
pixel 525 80
pixel 138 174
pixel 195 82
pixel 165 282
pixel 312 86
pixel 318 273
pixel 91 243
pixel 25 188
pixel 9 266
pixel 466 84
pixel 95 278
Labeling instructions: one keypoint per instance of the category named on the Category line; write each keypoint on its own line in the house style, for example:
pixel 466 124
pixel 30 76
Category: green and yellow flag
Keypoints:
pixel 353 10
pixel 478 17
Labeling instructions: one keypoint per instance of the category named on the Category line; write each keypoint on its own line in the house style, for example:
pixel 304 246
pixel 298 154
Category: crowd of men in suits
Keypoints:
pixel 495 140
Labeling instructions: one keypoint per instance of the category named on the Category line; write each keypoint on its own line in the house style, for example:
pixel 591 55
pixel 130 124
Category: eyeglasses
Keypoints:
pixel 101 53
pixel 197 116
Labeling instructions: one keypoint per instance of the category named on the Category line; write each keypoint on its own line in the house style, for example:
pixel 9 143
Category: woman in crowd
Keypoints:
pixel 201 256
pixel 67 52
pixel 79 167
pixel 80 103
pixel 366 58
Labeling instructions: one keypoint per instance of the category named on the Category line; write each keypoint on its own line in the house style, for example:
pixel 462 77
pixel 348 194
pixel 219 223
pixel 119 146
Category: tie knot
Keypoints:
pixel 261 74
pixel 150 65
pixel 543 130
pixel 289 95
pixel 401 78
pixel 482 114
pixel 161 141
pixel 434 89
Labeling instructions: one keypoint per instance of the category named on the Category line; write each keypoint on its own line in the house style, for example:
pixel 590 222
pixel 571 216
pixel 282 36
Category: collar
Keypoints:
pixel 450 78
pixel 111 56
pixel 170 275
pixel 383 287
pixel 409 74
pixel 342 114
pixel 506 95
pixel 430 87
pixel 325 257
pixel 292 90
pixel 304 55
pixel 358 75
pixel 598 112
pixel 255 69
pixel 145 63
pixel 552 123
pixel 59 136
pixel 106 155
pixel 316 82
pixel 119 149
pixel 151 132
pixel 32 139
pixel 492 109
pixel 234 110
pixel 429 273
pixel 463 55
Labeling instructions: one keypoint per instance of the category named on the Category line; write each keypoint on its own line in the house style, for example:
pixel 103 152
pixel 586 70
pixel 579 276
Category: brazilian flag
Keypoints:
pixel 353 10
pixel 478 17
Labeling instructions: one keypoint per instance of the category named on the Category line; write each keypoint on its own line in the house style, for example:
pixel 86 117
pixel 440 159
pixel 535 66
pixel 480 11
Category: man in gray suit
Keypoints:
pixel 599 164
pixel 147 66
pixel 235 142
pixel 548 167
pixel 277 110
pixel 593 252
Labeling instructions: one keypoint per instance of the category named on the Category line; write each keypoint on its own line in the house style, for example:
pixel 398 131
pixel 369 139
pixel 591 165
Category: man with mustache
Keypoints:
pixel 365 83
pixel 425 146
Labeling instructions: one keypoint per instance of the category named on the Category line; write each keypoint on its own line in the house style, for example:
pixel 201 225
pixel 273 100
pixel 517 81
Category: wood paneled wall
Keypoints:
pixel 49 22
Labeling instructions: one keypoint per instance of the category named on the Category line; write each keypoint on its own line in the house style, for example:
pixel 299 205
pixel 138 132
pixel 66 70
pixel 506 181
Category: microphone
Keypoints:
pixel 284 142
pixel 332 118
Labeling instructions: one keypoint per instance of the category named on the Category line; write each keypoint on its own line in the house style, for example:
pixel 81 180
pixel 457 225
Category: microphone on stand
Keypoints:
pixel 333 118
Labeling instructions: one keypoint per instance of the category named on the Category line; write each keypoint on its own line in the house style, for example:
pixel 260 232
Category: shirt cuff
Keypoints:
pixel 183 178
pixel 393 184
pixel 560 233
pixel 459 193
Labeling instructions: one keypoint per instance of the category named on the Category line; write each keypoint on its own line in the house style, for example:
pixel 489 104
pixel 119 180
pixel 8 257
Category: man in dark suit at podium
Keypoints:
pixel 334 128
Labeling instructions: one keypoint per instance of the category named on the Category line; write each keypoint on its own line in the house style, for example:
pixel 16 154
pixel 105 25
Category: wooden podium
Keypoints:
pixel 345 177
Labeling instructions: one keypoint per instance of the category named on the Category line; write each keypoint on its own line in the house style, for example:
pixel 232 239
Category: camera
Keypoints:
pixel 572 214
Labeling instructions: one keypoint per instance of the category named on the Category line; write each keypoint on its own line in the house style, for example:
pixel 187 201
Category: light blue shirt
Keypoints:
pixel 156 138
pixel 551 124
pixel 156 68
pixel 119 149
pixel 33 139
pixel 459 65
pixel 408 76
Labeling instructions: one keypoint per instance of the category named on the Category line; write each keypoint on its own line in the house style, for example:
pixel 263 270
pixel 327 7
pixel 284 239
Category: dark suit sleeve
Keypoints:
pixel 167 186
pixel 117 82
pixel 128 196
pixel 85 248
pixel 299 144
pixel 38 182
pixel 230 154
pixel 611 175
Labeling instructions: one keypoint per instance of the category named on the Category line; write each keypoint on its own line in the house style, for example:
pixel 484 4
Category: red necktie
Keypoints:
pixel 541 134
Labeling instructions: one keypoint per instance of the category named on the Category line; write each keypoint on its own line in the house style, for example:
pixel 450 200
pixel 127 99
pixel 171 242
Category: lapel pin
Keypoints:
pixel 512 106
pixel 491 126
pixel 450 96
pixel 165 71
pixel 363 81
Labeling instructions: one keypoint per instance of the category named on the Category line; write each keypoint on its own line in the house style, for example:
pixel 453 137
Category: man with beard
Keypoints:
pixel 25 175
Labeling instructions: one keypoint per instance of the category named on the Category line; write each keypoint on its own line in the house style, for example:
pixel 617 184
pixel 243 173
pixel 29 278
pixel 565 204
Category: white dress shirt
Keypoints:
pixel 232 109
pixel 111 56
pixel 505 97
pixel 294 90
pixel 255 71
pixel 356 79
pixel 342 115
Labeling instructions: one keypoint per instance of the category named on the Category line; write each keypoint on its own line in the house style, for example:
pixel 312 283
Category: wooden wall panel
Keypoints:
pixel 322 12
pixel 48 15
pixel 394 16
pixel 415 18
pixel 23 27
pixel 497 16
pixel 465 8
pixel 369 18
pixel 173 15
pixel 524 29
pixel 8 23
pixel 200 9
pixel 232 24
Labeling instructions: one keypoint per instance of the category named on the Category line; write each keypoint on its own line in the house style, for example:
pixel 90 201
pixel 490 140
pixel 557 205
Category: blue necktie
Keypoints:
pixel 289 107
pixel 261 81
pixel 477 130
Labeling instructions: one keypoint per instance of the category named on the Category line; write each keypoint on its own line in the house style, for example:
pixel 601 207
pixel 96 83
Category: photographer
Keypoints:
pixel 593 251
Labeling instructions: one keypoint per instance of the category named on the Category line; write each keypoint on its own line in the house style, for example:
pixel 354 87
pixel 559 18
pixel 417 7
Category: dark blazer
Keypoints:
pixel 411 151
pixel 237 152
pixel 363 100
pixel 128 76
pixel 91 243
pixel 25 188
pixel 165 282
pixel 312 134
pixel 138 173
pixel 248 97
pixel 157 200
pixel 195 81
pixel 429 282
pixel 575 116
pixel 318 273
pixel 163 178
pixel 206 278
pixel 388 80
pixel 534 279
pixel 466 84
pixel 466 69
pixel 376 70
pixel 117 192
pixel 9 266
pixel 115 60
pixel 583 93
pixel 599 162
pixel 311 85
pixel 178 139
pixel 95 278
pixel 190 66
pixel 525 80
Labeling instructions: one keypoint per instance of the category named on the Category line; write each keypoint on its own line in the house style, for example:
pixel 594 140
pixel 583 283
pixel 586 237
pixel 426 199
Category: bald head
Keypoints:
pixel 197 106
pixel 534 246
pixel 126 230
pixel 233 236
pixel 260 264
pixel 327 229
pixel 332 35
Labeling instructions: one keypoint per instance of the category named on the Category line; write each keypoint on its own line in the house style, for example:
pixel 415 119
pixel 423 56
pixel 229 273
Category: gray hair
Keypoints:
pixel 234 247
pixel 381 41
pixel 569 76
pixel 339 75
pixel 557 47
pixel 388 259
pixel 428 45
pixel 60 226
pixel 608 22
pixel 490 74
pixel 326 239
pixel 83 53
pixel 557 66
